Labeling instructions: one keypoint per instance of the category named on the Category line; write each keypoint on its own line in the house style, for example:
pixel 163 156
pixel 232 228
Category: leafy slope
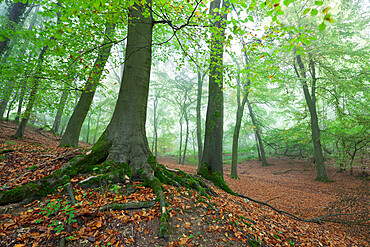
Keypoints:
pixel 194 221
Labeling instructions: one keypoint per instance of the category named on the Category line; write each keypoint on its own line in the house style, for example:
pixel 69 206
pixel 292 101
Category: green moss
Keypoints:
pixel 204 171
pixel 35 189
pixel 253 243
pixel 324 179
pixel 155 184
pixel 152 161
pixel 86 163
pixel 216 177
pixel 163 227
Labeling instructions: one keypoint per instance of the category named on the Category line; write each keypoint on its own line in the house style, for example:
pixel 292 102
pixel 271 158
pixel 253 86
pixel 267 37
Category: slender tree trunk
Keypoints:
pixel 32 98
pixel 72 133
pixel 257 132
pixel 311 103
pixel 212 167
pixel 88 128
pixel 238 121
pixel 14 16
pixel 58 116
pixel 9 88
pixel 11 105
pixel 155 139
pixel 258 148
pixel 180 147
pixel 6 97
pixel 199 117
pixel 30 27
pixel 97 125
pixel 20 102
pixel 186 137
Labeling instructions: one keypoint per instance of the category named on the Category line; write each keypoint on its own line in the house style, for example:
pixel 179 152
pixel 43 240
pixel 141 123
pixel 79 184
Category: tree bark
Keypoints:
pixel 311 103
pixel 58 116
pixel 257 132
pixel 238 121
pixel 126 131
pixel 186 137
pixel 199 117
pixel 97 125
pixel 73 130
pixel 155 124
pixel 212 167
pixel 88 128
pixel 180 147
pixel 20 102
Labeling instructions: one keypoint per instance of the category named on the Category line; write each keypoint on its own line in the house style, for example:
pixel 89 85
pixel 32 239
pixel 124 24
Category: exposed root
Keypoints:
pixel 129 205
pixel 5 151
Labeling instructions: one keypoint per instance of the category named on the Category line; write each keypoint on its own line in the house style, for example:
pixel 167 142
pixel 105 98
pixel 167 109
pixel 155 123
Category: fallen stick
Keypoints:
pixel 129 205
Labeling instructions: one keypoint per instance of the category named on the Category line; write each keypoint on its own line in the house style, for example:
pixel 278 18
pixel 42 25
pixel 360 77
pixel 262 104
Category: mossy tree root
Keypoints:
pixel 129 205
pixel 79 165
pixel 216 177
pixel 183 179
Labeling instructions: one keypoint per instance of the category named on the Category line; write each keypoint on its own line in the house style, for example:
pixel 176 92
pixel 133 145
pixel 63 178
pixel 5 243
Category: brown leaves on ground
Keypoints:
pixel 193 220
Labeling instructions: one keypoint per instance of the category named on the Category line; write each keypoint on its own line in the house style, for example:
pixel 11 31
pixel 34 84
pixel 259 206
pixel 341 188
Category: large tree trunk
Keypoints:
pixel 126 131
pixel 199 117
pixel 72 133
pixel 123 146
pixel 311 103
pixel 212 167
pixel 32 98
pixel 14 16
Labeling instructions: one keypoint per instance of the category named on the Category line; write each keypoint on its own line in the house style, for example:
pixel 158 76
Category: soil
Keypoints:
pixel 194 221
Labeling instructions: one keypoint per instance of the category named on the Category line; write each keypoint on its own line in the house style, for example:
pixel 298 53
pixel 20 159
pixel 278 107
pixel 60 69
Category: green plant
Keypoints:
pixel 10 143
pixel 58 208
pixel 32 167
pixel 115 188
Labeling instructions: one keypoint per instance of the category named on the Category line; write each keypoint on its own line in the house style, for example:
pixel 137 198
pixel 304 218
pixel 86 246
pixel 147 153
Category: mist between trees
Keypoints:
pixel 229 81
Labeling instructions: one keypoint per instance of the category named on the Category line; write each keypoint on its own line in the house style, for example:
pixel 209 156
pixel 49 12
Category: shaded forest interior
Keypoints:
pixel 184 123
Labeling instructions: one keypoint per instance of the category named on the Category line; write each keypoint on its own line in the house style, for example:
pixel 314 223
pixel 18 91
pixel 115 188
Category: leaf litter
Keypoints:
pixel 194 220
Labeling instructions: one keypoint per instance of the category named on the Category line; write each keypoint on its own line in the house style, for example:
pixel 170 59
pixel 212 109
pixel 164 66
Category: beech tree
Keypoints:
pixel 72 132
pixel 123 148
pixel 211 166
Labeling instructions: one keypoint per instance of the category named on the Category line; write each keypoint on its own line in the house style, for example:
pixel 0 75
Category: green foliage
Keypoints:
pixel 58 209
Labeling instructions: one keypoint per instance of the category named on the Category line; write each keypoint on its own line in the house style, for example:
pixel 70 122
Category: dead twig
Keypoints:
pixel 317 220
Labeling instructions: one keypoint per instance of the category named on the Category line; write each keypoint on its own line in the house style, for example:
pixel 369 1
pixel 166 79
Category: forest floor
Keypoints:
pixel 220 221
